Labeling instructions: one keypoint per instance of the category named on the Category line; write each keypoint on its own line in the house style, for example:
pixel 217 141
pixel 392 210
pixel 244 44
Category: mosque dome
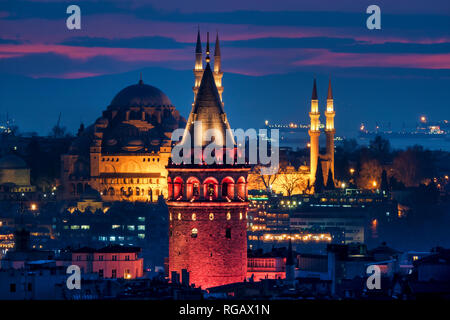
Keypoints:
pixel 139 95
pixel 12 162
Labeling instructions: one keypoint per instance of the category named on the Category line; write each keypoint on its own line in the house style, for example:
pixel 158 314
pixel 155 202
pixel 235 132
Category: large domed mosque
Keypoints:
pixel 123 155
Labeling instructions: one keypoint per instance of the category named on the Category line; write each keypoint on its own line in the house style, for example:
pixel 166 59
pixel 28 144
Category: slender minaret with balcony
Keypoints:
pixel 329 127
pixel 218 74
pixel 198 67
pixel 314 133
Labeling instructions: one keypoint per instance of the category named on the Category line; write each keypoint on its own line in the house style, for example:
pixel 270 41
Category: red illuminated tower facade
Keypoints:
pixel 208 202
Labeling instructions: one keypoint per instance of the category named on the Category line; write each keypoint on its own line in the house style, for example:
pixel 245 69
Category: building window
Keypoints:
pixel 30 287
pixel 114 273
pixel 12 287
pixel 100 258
pixel 114 258
pixel 127 258
pixel 228 233
pixel 194 233
pixel 194 217
pixel 100 273
pixel 228 216
pixel 211 216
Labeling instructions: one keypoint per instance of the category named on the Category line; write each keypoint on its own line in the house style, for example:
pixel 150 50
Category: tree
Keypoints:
pixel 413 165
pixel 369 174
pixel 380 149
pixel 318 184
pixel 291 181
pixel 267 179
pixel 330 180
pixel 384 182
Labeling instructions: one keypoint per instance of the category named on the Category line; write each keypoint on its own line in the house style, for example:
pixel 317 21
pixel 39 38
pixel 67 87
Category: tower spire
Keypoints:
pixel 329 128
pixel 314 91
pixel 198 67
pixel 208 59
pixel 330 91
pixel 198 47
pixel 314 133
pixel 218 74
pixel 217 46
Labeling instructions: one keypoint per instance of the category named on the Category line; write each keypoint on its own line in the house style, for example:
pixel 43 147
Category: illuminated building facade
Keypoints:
pixel 112 262
pixel 123 155
pixel 208 202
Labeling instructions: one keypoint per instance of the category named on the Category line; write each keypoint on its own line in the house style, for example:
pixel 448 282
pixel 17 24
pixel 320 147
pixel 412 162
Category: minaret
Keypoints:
pixel 314 133
pixel 329 128
pixel 218 74
pixel 198 68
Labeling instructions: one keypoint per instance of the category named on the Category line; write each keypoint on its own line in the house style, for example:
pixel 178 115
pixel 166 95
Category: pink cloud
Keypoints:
pixel 322 57
pixel 83 53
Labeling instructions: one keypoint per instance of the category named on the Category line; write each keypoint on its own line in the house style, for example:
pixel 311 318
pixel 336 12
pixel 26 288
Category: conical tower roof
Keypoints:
pixel 217 48
pixel 198 47
pixel 208 110
pixel 330 91
pixel 314 91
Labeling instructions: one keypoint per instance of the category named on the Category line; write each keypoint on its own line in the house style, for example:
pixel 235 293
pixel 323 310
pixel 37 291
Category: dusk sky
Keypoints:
pixel 271 51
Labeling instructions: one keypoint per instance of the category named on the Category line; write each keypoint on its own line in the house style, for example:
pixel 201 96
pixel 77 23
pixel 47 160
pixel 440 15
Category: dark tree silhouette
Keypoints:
pixel 318 184
pixel 330 181
pixel 384 181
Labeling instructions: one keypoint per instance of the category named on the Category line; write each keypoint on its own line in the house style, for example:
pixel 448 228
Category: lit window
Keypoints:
pixel 141 227
pixel 240 215
pixel 211 216
pixel 85 227
pixel 141 235
pixel 179 216
pixel 228 216
pixel 194 217
pixel 115 226
pixel 75 227
pixel 194 233
pixel 130 227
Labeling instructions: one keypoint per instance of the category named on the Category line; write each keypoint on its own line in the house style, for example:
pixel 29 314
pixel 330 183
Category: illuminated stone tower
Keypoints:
pixel 218 74
pixel 198 67
pixel 329 128
pixel 208 202
pixel 314 133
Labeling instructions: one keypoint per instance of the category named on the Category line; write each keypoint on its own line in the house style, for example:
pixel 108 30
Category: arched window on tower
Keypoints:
pixel 228 188
pixel 210 188
pixel 193 188
pixel 241 188
pixel 178 188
